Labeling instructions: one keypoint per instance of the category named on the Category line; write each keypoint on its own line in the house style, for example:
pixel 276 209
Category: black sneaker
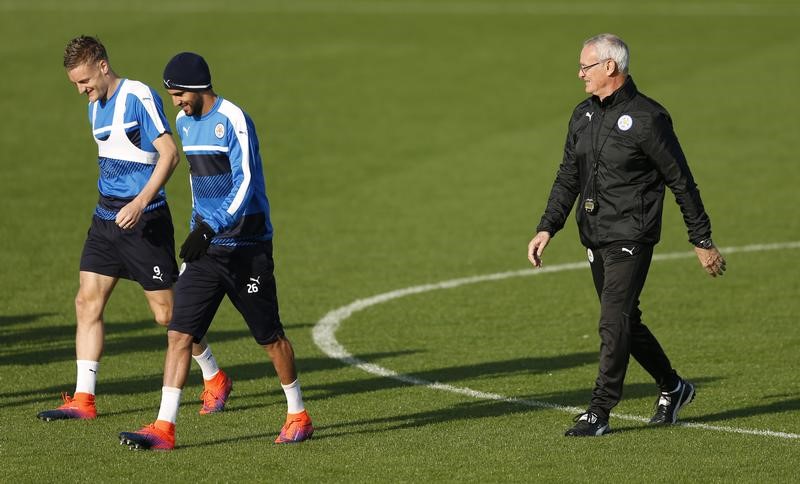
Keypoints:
pixel 669 403
pixel 588 424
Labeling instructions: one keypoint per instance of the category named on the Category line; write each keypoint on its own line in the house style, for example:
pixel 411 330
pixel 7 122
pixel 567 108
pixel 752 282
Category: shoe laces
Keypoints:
pixel 70 402
pixel 297 419
pixel 152 429
pixel 209 396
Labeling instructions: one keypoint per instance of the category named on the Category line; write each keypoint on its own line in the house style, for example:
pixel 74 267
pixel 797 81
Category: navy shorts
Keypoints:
pixel 245 275
pixel 145 254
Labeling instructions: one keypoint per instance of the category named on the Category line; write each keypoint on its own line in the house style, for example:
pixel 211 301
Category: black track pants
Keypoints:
pixel 619 271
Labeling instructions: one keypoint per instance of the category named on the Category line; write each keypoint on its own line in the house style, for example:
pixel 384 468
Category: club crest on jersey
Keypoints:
pixel 219 130
pixel 624 122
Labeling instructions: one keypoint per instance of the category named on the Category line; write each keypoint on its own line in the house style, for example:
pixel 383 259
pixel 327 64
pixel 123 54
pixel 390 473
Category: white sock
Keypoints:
pixel 170 401
pixel 207 362
pixel 87 376
pixel 294 397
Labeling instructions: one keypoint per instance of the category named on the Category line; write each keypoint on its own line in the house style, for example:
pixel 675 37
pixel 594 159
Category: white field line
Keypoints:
pixel 324 334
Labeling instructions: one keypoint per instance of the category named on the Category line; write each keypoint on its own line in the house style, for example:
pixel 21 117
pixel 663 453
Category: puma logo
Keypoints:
pixel 630 251
pixel 589 115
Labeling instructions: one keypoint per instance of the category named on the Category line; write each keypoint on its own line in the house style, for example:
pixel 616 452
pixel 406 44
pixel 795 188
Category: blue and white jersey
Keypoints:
pixel 125 127
pixel 227 178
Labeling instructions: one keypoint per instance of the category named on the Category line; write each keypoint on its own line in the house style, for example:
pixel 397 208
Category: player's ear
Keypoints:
pixel 611 67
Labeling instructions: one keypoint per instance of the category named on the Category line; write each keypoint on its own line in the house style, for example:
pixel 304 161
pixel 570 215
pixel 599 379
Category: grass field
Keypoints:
pixel 409 143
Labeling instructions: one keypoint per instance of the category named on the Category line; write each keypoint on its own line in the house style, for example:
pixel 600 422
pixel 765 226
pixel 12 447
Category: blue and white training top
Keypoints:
pixel 227 178
pixel 124 128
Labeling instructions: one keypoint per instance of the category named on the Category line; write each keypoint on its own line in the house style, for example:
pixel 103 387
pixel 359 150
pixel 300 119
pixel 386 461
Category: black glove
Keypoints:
pixel 197 242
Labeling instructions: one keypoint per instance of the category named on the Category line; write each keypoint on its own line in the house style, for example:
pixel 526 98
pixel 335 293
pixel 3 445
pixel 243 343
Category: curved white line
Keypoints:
pixel 324 334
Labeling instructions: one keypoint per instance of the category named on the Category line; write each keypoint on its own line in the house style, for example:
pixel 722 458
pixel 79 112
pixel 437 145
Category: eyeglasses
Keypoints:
pixel 583 68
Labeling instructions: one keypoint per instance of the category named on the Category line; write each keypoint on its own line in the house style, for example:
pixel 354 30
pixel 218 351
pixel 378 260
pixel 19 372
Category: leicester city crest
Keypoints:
pixel 624 122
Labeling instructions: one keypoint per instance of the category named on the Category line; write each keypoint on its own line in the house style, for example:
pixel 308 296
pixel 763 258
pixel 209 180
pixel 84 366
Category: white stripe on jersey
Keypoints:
pixel 223 149
pixel 117 145
pixel 237 119
pixel 108 128
pixel 145 95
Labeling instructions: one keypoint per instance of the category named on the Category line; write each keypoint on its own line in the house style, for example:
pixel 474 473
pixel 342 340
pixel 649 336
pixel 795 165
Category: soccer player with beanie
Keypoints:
pixel 229 249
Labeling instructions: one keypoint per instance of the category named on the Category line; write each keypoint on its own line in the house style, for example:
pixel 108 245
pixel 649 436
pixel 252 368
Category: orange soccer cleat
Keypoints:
pixel 215 393
pixel 297 428
pixel 159 435
pixel 81 407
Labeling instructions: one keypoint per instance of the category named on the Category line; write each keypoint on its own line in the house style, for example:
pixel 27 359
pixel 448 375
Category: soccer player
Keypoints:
pixel 131 234
pixel 228 252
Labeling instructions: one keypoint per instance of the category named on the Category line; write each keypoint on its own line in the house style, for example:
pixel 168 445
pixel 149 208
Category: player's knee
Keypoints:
pixel 85 303
pixel 163 316
pixel 176 339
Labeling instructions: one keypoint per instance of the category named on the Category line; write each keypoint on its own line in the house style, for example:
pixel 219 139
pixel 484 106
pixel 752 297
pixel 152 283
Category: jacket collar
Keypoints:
pixel 625 92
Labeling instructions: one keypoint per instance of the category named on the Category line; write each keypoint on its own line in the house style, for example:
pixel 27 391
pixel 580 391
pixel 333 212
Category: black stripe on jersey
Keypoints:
pixel 250 227
pixel 135 135
pixel 208 165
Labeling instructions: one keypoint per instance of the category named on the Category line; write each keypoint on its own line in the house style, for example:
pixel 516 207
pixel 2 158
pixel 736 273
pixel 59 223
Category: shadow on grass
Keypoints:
pixel 23 318
pixel 531 365
pixel 783 406
pixel 148 383
pixel 464 411
pixel 266 437
pixel 452 375
pixel 150 337
pixel 63 333
pixel 10 337
pixel 484 409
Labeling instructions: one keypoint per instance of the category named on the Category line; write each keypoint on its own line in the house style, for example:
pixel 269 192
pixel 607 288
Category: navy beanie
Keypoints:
pixel 187 71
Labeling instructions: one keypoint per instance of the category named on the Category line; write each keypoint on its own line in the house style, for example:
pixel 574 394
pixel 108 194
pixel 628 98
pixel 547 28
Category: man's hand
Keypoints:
pixel 129 215
pixel 536 247
pixel 711 260
pixel 197 242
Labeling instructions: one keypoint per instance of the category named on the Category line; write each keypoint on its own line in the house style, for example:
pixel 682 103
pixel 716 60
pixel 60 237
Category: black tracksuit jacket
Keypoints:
pixel 621 152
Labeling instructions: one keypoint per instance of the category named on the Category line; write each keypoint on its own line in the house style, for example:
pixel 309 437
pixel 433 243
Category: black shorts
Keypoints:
pixel 245 274
pixel 145 254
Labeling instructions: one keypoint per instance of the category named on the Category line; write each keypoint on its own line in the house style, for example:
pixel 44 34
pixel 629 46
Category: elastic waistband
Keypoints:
pixel 106 211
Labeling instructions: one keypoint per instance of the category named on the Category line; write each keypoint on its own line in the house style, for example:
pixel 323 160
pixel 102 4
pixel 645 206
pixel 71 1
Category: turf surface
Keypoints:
pixel 411 142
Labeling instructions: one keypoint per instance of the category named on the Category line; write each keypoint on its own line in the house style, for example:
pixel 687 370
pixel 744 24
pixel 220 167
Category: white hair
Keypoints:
pixel 609 46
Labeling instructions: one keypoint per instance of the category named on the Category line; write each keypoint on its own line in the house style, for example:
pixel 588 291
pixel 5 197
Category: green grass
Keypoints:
pixel 411 142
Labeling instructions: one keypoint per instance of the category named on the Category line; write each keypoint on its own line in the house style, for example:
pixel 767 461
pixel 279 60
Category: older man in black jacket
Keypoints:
pixel 620 153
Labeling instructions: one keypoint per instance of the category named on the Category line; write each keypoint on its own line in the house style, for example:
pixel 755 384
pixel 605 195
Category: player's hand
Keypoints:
pixel 129 215
pixel 711 260
pixel 536 248
pixel 197 242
